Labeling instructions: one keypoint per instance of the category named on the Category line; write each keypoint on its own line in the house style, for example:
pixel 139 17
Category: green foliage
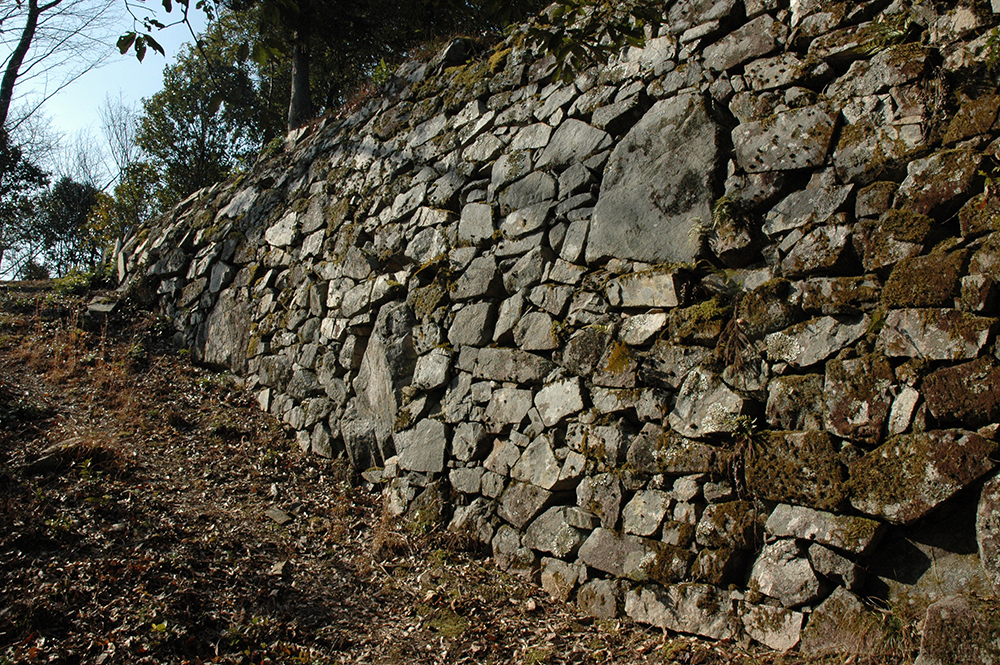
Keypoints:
pixel 133 202
pixel 205 121
pixel 730 211
pixel 20 182
pixel 381 73
pixel 138 43
pixel 68 240
pixel 582 33
pixel 236 83
pixel 885 31
pixel 75 282
pixel 45 232
pixel 340 45
pixel 991 52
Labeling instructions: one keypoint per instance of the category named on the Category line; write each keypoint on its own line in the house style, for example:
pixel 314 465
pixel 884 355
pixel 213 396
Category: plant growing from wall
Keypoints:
pixel 734 344
pixel 744 434
pixel 887 30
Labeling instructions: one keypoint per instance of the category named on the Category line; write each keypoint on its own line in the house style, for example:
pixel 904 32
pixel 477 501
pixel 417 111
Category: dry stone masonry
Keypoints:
pixel 706 336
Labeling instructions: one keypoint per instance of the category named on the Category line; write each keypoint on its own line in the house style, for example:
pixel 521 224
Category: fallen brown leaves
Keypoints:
pixel 140 501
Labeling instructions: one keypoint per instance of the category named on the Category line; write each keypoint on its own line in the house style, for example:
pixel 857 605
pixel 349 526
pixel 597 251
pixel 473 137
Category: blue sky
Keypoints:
pixel 75 107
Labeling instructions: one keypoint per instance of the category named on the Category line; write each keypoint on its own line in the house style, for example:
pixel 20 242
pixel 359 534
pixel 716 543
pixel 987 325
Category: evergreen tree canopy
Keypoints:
pixel 327 48
pixel 203 123
pixel 68 240
pixel 20 180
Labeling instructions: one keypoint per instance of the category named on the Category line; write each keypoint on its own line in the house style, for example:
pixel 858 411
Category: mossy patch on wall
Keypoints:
pixel 800 468
pixel 699 324
pixel 767 309
pixel 925 281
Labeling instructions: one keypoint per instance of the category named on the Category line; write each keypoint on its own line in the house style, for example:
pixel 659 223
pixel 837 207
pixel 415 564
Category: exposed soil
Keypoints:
pixel 151 513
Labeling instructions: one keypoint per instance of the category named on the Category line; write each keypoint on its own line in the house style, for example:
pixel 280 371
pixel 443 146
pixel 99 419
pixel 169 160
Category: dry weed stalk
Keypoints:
pixel 733 341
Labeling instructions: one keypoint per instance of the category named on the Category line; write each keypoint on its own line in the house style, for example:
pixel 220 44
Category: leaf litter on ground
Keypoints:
pixel 152 513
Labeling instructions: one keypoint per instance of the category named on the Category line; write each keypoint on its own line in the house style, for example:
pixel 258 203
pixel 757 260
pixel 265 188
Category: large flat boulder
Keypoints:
pixel 657 183
pixel 226 333
pixel 908 476
pixel 386 367
pixel 698 609
pixel 790 140
pixel 988 530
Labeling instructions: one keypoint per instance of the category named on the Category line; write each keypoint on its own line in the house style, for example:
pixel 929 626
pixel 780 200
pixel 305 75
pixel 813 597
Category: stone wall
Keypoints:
pixel 706 336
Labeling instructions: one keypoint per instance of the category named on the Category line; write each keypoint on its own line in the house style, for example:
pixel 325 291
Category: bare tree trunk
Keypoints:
pixel 17 57
pixel 300 108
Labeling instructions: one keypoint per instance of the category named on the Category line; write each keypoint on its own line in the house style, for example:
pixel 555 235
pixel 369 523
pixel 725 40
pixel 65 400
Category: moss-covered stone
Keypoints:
pixel 800 468
pixel 840 295
pixel 254 346
pixel 935 184
pixel 766 309
pixel 338 212
pixel 842 625
pixel 867 152
pixel 468 82
pixel 497 61
pixel 874 199
pixel 966 393
pixel 507 69
pixel 734 524
pixel 423 301
pixel 974 118
pixel 617 367
pixel 858 398
pixel 654 451
pixel 961 631
pixel 393 120
pixel 699 324
pixel 980 215
pixel 678 534
pixel 896 235
pixel 424 110
pixel 664 564
pixel 585 349
pixel 428 511
pixel 925 281
pixel 986 259
pixel 795 402
pixel 720 566
pixel 617 359
pixel 906 226
pixel 936 334
pixel 909 475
